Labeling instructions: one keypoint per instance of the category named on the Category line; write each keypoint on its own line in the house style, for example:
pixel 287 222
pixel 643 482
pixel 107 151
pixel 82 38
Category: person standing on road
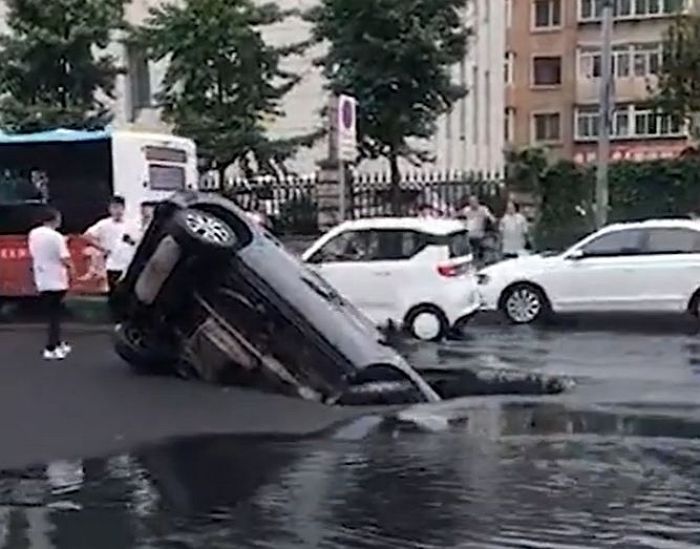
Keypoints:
pixel 114 236
pixel 514 231
pixel 477 217
pixel 51 265
pixel 147 212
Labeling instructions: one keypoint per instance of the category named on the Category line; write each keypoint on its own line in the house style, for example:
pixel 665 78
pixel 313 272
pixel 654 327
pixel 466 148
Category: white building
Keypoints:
pixel 470 138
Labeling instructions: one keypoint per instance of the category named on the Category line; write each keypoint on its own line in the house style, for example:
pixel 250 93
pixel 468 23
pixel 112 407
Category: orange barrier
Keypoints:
pixel 16 278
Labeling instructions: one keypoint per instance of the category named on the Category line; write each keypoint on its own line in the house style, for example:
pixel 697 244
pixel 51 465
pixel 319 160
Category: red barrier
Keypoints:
pixel 17 280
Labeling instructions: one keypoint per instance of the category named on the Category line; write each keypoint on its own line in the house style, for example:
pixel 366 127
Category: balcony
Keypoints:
pixel 590 11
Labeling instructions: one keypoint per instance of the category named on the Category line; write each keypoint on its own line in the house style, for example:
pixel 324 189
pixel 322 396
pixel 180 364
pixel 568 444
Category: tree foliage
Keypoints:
pixel 396 57
pixel 223 81
pixel 638 190
pixel 679 82
pixel 54 70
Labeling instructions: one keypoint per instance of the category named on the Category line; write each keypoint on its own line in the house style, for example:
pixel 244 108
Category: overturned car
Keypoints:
pixel 211 293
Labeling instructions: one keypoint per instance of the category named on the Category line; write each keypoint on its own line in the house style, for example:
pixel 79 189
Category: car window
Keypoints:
pixel 625 242
pixel 459 244
pixel 673 241
pixel 347 246
pixel 395 245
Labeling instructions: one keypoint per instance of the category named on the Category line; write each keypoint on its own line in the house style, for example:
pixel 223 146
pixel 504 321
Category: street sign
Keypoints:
pixel 346 128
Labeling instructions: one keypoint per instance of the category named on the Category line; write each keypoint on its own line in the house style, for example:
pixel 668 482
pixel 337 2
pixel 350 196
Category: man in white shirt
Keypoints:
pixel 51 265
pixel 477 216
pixel 115 237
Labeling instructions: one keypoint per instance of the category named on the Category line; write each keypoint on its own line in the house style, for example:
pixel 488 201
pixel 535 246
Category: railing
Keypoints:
pixel 291 202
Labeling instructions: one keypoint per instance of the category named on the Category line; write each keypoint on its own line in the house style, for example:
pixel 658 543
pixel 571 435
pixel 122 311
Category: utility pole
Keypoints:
pixel 605 116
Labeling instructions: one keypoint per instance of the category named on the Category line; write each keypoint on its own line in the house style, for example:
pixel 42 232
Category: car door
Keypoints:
pixel 602 274
pixel 671 266
pixel 399 271
pixel 349 261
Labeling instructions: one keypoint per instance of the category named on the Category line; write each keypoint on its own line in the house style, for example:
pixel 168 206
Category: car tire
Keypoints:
pixel 524 304
pixel 143 355
pixel 427 323
pixel 200 231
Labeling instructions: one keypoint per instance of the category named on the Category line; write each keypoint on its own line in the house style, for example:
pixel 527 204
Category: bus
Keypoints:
pixel 77 172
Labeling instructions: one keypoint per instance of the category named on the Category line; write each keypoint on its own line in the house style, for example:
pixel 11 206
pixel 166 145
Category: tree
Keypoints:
pixel 678 90
pixel 223 81
pixel 54 71
pixel 396 57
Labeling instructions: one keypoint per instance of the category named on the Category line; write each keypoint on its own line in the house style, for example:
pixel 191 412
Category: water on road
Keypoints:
pixel 615 463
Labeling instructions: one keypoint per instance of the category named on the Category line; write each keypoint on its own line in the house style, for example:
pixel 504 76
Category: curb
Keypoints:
pixel 83 312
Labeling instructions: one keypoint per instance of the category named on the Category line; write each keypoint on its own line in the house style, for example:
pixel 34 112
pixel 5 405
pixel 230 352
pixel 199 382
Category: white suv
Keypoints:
pixel 414 272
pixel 649 266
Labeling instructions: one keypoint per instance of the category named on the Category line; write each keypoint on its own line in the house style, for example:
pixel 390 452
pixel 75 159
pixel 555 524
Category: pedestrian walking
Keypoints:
pixel 117 239
pixel 514 231
pixel 51 266
pixel 477 218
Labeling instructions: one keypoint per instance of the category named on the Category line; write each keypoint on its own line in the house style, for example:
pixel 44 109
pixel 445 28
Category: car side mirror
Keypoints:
pixel 576 255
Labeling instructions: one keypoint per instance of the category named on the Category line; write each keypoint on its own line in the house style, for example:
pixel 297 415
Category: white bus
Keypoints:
pixel 77 172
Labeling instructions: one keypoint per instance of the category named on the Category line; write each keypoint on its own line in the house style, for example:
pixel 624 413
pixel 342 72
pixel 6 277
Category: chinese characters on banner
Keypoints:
pixel 16 279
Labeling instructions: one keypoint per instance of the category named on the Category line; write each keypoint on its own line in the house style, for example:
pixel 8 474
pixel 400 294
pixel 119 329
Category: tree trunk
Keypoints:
pixel 395 188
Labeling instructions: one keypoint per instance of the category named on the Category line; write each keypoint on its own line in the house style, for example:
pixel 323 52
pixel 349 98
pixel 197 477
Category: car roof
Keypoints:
pixel 431 225
pixel 678 223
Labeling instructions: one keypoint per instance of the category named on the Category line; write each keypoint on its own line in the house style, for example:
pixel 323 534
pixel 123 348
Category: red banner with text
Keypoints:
pixel 16 278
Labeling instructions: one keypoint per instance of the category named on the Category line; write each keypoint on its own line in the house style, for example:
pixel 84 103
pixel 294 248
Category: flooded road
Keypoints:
pixel 616 463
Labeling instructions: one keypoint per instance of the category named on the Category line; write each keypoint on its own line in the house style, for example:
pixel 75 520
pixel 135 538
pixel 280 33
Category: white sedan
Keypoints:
pixel 644 267
pixel 411 272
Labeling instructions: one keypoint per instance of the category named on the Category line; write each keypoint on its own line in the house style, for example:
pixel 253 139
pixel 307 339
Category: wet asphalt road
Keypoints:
pixel 91 404
pixel 613 464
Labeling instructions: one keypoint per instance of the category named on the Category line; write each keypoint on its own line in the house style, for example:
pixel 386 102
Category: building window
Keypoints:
pixel 647 59
pixel 487 110
pixel 546 71
pixel 649 123
pixel 628 122
pixel 592 10
pixel 587 122
pixel 139 76
pixel 547 127
pixel 475 105
pixel 640 60
pixel 508 124
pixel 508 68
pixel 546 13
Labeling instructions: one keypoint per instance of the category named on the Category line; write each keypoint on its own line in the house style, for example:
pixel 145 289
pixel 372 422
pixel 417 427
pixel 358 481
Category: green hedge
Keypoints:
pixel 564 193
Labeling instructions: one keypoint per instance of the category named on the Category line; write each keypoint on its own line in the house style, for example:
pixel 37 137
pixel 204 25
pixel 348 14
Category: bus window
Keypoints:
pixel 20 186
pixel 166 154
pixel 166 178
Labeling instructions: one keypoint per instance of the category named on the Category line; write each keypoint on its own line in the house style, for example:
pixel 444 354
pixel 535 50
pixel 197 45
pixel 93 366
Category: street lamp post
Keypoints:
pixel 605 118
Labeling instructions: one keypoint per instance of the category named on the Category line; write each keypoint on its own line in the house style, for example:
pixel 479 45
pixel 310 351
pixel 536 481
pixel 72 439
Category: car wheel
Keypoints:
pixel 524 304
pixel 694 305
pixel 427 323
pixel 141 352
pixel 198 231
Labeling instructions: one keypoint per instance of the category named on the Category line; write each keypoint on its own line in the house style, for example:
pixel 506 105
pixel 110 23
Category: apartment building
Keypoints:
pixel 472 136
pixel 555 47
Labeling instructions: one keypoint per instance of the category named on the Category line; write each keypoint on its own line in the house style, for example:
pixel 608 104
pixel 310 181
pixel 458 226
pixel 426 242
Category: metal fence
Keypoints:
pixel 291 202
pixel 445 193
